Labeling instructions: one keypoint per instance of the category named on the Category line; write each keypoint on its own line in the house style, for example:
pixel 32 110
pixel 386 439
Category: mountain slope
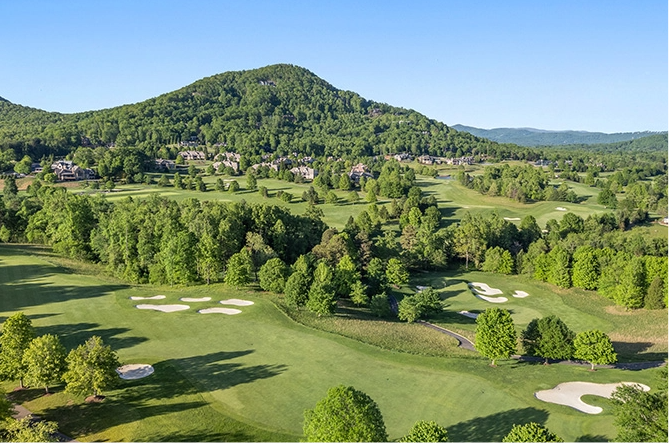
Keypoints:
pixel 281 108
pixel 539 137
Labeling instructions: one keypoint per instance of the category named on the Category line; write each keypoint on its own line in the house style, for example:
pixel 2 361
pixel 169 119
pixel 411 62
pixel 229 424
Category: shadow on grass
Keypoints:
pixel 171 389
pixel 496 426
pixel 590 437
pixel 72 335
pixel 637 351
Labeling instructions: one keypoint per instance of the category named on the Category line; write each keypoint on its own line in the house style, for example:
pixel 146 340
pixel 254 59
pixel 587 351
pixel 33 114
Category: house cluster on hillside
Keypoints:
pixel 66 170
pixel 193 155
pixel 305 171
pixel 165 165
pixel 227 160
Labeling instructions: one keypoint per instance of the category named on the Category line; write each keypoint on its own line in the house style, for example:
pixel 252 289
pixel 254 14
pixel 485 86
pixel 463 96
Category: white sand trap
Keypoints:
pixel 236 302
pixel 134 371
pixel 155 297
pixel 228 311
pixel 421 288
pixel 188 299
pixel 520 294
pixel 560 208
pixel 484 289
pixel 468 314
pixel 569 394
pixel 164 308
pixel 512 218
pixel 490 299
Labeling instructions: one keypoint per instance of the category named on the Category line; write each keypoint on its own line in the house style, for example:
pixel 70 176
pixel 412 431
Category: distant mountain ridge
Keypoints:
pixel 542 137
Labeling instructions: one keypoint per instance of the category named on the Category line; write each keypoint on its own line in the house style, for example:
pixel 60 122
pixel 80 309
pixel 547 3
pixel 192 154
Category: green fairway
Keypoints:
pixel 250 376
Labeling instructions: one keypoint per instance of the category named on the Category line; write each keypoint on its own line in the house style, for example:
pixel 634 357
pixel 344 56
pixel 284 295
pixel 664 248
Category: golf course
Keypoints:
pixel 251 375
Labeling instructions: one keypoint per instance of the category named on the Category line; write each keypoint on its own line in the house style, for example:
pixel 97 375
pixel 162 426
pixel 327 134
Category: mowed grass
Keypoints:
pixel 637 335
pixel 251 376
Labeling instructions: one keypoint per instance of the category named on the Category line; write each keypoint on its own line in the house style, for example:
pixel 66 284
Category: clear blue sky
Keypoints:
pixel 583 65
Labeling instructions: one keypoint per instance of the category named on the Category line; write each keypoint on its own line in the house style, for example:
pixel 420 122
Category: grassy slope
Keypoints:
pixel 250 377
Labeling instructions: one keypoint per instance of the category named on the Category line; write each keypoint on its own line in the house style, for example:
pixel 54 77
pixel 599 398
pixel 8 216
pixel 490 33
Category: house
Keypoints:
pixel 306 172
pixel 402 156
pixel 68 171
pixel 226 164
pixel 359 170
pixel 193 155
pixel 426 159
pixel 165 165
pixel 36 168
pixel 231 156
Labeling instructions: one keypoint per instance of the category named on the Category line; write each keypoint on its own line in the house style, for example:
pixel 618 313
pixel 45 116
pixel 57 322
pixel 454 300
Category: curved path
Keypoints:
pixel 465 343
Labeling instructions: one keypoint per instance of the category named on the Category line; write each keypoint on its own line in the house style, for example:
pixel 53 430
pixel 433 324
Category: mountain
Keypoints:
pixel 540 137
pixel 279 108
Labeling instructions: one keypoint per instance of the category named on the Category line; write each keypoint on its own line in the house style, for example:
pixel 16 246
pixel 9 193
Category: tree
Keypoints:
pixel 409 309
pixel 586 268
pixel 549 338
pixel 272 275
pixel 91 368
pixel 163 181
pixel 380 306
pixel 560 268
pixel 239 269
pixel 640 415
pixel 27 429
pixel 322 294
pixel 297 289
pixel 45 361
pixel 531 432
pixel 594 347
pixel 396 273
pixel 10 190
pixel 345 414
pixel 426 431
pixel 251 182
pixel 345 275
pixel 631 290
pixel 359 293
pixel 656 293
pixel 233 186
pixel 495 334
pixel 17 333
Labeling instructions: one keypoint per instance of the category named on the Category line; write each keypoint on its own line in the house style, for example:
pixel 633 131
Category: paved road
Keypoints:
pixel 22 412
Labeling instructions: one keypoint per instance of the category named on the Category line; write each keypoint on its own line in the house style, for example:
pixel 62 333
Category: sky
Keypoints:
pixel 559 65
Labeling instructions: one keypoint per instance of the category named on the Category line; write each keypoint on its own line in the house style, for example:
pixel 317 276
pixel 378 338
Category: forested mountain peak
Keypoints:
pixel 279 108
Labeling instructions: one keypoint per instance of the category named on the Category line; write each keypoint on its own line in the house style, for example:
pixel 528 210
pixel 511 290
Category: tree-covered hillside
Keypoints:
pixel 281 108
pixel 539 137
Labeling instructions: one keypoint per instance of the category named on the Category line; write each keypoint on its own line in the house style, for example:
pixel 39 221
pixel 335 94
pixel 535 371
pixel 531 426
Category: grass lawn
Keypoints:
pixel 251 376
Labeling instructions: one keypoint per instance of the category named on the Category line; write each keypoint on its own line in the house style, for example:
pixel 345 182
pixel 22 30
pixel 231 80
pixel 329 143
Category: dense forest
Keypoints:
pixel 279 108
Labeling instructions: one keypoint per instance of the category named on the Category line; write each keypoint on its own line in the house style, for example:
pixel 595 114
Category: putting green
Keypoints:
pixel 251 376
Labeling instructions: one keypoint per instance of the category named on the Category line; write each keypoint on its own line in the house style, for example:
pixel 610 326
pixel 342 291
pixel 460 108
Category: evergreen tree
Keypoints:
pixel 560 271
pixel 495 334
pixel 586 268
pixel 656 293
pixel 297 289
pixel 359 293
pixel 396 273
pixel 273 275
pixel 380 306
pixel 251 182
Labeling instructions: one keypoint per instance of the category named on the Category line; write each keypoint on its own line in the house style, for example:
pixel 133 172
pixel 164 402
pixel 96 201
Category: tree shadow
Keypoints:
pixel 590 437
pixel 496 426
pixel 637 351
pixel 72 335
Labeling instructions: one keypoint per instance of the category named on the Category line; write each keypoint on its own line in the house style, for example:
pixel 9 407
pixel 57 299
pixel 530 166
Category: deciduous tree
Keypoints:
pixel 17 333
pixel 45 361
pixel 530 432
pixel 495 334
pixel 91 368
pixel 345 414
pixel 426 431
pixel 595 347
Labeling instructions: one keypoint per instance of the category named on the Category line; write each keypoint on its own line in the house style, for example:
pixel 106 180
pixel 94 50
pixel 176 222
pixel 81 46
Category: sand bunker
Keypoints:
pixel 134 371
pixel 484 289
pixel 164 308
pixel 236 302
pixel 520 294
pixel 227 311
pixel 188 299
pixel 512 218
pixel 155 297
pixel 468 314
pixel 421 288
pixel 560 208
pixel 569 394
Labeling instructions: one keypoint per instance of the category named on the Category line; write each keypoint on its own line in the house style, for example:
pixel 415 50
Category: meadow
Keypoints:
pixel 251 376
